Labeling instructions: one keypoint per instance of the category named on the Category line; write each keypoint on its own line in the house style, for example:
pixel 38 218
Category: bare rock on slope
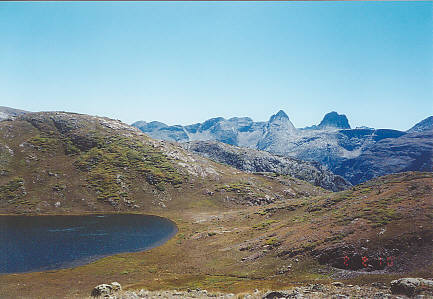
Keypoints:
pixel 410 152
pixel 424 125
pixel 6 112
pixel 411 286
pixel 259 161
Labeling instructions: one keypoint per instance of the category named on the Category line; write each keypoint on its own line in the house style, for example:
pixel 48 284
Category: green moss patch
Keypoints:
pixel 243 188
pixel 44 144
pixel 12 190
pixel 115 161
pixel 264 224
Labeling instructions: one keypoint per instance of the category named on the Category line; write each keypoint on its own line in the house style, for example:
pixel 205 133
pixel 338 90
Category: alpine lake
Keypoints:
pixel 39 243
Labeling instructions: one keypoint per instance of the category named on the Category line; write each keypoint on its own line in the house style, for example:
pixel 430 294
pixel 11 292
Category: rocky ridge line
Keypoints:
pixel 260 161
pixel 332 143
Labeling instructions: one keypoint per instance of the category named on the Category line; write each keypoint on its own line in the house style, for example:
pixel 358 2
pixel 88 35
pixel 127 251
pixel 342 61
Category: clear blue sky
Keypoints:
pixel 182 63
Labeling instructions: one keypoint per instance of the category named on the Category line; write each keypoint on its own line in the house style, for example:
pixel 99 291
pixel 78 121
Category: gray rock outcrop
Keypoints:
pixel 259 161
pixel 334 120
pixel 332 143
pixel 106 290
pixel 410 286
pixel 6 112
pixel 410 152
pixel 424 125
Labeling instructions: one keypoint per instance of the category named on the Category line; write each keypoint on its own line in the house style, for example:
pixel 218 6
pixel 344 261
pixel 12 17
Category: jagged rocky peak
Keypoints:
pixel 424 125
pixel 334 120
pixel 278 116
pixel 281 119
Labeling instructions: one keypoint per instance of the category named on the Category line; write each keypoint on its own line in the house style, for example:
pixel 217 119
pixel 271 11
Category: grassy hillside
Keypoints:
pixel 237 231
pixel 63 162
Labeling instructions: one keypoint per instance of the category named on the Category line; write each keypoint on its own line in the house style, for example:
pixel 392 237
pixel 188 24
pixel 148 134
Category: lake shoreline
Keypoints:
pixel 136 234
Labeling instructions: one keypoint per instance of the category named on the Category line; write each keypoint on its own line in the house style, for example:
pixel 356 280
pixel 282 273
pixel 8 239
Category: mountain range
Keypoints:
pixel 250 160
pixel 255 229
pixel 104 163
pixel 332 143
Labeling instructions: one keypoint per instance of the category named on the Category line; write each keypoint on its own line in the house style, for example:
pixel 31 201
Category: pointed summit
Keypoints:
pixel 281 121
pixel 334 120
pixel 280 115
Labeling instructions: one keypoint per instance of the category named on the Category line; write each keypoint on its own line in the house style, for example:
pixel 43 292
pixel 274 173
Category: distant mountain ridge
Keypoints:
pixel 413 151
pixel 331 143
pixel 6 112
pixel 334 120
pixel 258 225
pixel 424 125
pixel 250 160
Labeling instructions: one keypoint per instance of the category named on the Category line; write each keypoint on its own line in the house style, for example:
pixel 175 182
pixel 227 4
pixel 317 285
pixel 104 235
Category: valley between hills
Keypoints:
pixel 238 231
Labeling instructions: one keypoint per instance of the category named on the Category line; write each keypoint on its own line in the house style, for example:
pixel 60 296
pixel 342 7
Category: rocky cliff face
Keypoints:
pixel 334 120
pixel 332 143
pixel 410 152
pixel 260 161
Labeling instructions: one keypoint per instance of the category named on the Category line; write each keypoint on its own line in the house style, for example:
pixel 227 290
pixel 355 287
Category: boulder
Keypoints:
pixel 275 295
pixel 102 290
pixel 106 290
pixel 116 286
pixel 411 286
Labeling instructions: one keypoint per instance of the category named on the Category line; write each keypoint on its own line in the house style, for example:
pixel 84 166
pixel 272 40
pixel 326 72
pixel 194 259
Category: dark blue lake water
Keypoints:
pixel 32 243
